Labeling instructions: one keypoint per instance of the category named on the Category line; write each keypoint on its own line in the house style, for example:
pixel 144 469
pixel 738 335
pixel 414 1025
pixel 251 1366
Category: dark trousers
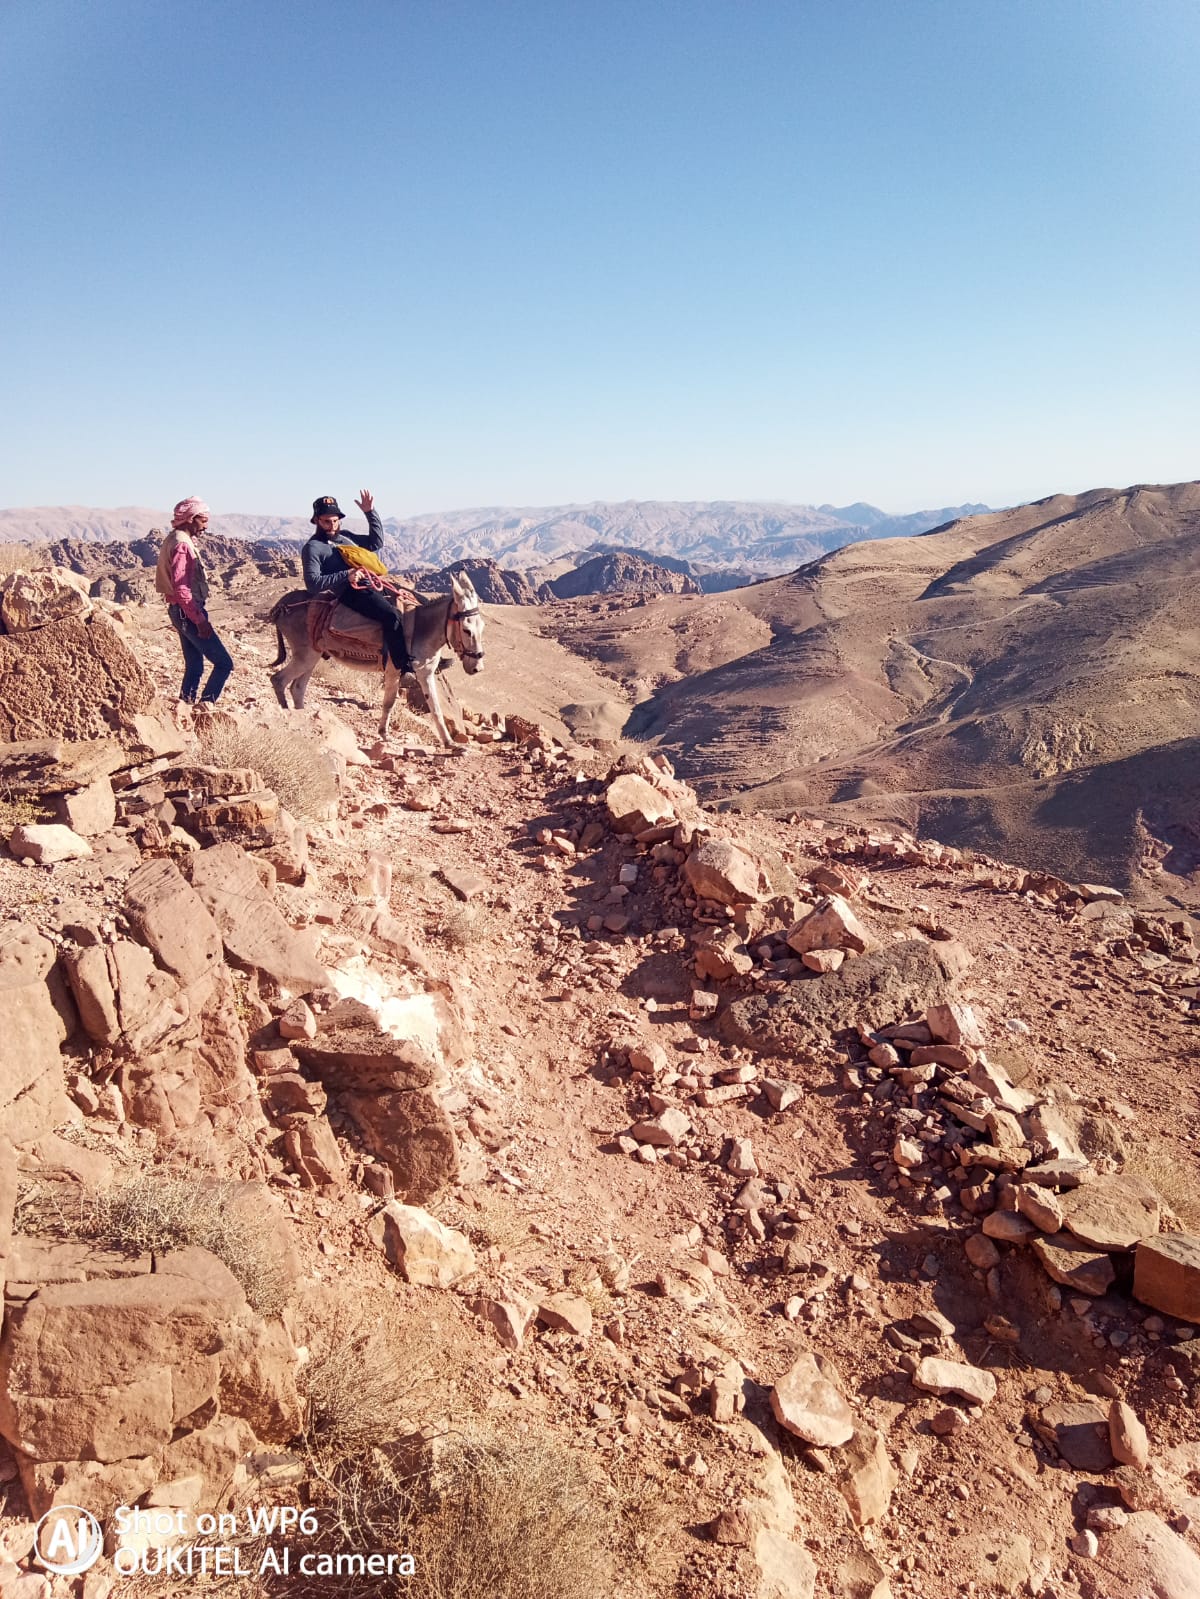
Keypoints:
pixel 196 651
pixel 370 602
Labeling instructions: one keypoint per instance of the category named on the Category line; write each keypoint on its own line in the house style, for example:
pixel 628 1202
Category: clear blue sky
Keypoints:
pixel 472 252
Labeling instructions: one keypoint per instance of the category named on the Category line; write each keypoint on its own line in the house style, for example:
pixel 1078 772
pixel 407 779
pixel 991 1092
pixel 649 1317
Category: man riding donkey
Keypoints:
pixel 420 634
pixel 333 560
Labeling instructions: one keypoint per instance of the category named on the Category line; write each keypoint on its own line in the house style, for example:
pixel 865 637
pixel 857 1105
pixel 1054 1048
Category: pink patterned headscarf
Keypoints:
pixel 183 513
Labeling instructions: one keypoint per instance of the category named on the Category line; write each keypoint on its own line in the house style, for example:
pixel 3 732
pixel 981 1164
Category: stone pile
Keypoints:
pixel 1163 947
pixel 1035 1168
pixel 948 1114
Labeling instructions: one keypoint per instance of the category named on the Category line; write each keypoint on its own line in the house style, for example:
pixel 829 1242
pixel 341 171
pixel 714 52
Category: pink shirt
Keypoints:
pixel 183 564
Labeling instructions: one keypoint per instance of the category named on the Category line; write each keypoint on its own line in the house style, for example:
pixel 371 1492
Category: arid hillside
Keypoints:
pixel 1024 682
pixel 532 1174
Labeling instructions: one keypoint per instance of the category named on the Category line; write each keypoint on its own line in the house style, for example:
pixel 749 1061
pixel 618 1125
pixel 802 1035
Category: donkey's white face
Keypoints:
pixel 466 603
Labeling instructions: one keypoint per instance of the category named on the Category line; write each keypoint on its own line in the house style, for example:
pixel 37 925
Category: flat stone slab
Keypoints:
pixel 1074 1265
pixel 1113 1212
pixel 934 1376
pixel 1079 1430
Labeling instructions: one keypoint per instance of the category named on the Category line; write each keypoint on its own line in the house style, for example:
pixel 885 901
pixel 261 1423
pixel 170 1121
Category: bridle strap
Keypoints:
pixel 455 619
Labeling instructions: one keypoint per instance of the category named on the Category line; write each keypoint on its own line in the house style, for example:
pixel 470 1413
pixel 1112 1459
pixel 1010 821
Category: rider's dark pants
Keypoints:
pixel 370 602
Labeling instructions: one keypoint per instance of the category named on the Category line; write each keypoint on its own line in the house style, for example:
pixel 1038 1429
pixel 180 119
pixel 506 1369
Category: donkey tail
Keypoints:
pixel 284 606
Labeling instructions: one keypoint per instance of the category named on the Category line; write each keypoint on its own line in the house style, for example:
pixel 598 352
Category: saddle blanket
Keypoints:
pixel 335 629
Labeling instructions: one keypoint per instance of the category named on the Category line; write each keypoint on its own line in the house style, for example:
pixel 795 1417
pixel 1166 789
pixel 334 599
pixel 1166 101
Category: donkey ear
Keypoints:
pixel 456 585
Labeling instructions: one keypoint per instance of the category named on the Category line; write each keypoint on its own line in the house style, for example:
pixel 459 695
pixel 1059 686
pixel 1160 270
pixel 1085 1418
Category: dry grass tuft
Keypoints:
pixel 410 874
pixel 462 926
pixel 285 760
pixel 154 1213
pixel 1173 1175
pixel 585 1281
pixel 509 1518
pixel 492 1221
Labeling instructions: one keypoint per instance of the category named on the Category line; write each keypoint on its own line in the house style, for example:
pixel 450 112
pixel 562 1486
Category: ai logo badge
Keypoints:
pixel 69 1540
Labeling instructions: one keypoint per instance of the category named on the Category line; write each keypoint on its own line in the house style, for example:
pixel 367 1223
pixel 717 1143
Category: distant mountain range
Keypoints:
pixel 730 537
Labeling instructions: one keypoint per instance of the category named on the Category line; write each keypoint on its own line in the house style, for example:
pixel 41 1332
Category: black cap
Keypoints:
pixel 325 506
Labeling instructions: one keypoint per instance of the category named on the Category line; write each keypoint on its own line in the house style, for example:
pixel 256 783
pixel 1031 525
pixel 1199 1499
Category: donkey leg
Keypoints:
pixel 391 687
pixel 300 688
pixel 280 682
pixel 426 673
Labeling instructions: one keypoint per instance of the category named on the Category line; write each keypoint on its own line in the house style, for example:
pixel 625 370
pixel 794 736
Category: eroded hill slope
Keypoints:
pixel 977 681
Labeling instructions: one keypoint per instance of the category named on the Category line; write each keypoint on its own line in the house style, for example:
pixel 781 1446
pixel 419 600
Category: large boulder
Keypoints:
pixel 111 1383
pixel 388 1087
pixel 29 600
pixel 32 1090
pixel 171 919
pixel 718 870
pixel 69 679
pixel 1146 1557
pixel 1166 1275
pixel 89 811
pixel 108 1369
pixel 831 924
pixel 47 843
pixel 422 1249
pixel 56 766
pixel 8 1201
pixel 634 804
pixel 251 926
pixel 1113 1212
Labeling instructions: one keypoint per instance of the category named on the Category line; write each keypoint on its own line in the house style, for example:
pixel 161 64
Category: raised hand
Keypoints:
pixel 366 502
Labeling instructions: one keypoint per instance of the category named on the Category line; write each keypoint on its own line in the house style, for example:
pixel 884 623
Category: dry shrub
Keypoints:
pixel 511 1518
pixel 484 1517
pixel 17 810
pixel 154 1213
pixel 283 757
pixel 462 926
pixel 409 874
pixel 21 558
pixel 362 1377
pixel 491 1221
pixel 480 1514
pixel 584 1280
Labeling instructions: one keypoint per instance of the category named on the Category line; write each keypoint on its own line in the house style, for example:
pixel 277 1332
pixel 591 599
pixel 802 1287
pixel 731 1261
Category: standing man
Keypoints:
pixel 179 578
pixel 327 571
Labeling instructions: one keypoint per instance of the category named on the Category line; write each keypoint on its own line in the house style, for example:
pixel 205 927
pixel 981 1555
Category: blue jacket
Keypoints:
pixel 324 570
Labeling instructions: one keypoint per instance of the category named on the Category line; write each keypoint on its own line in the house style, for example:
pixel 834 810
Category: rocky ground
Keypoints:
pixel 830 1196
